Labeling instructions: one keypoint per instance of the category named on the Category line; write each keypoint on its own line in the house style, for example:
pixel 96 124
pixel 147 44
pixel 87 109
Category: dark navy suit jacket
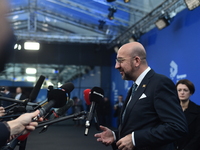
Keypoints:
pixel 154 114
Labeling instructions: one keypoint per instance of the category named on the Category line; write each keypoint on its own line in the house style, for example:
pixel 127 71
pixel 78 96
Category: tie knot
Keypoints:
pixel 134 88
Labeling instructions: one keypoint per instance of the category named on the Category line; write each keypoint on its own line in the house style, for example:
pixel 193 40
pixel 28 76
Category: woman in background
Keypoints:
pixel 191 141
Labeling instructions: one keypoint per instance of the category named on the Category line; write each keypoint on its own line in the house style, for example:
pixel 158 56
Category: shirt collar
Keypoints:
pixel 140 78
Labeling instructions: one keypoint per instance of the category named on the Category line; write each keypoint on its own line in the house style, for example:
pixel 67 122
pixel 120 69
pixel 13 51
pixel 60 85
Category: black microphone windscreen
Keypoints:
pixel 68 87
pixel 96 94
pixel 62 110
pixel 50 87
pixel 36 89
pixel 58 96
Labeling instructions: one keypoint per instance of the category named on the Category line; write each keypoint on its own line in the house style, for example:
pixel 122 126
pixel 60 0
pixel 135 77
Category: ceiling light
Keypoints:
pixel 31 79
pixel 31 46
pixel 19 47
pixel 192 4
pixel 112 10
pixel 133 39
pixel 101 24
pixel 162 22
pixel 56 70
pixel 15 46
pixel 15 17
pixel 31 71
pixel 136 34
pixel 117 46
pixel 127 1
pixel 45 29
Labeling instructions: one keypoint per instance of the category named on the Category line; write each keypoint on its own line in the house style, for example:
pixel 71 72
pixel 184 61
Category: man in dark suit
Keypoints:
pixel 19 94
pixel 118 107
pixel 8 94
pixel 151 117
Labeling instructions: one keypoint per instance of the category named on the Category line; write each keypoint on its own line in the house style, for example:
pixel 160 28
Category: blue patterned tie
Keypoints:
pixel 132 93
pixel 133 89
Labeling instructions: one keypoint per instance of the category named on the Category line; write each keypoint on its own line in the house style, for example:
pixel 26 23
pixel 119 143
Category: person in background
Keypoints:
pixel 118 107
pixel 191 141
pixel 19 94
pixel 151 118
pixel 104 112
pixel 8 94
pixel 76 108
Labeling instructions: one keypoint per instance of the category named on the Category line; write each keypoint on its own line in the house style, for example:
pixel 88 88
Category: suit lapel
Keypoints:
pixel 137 94
pixel 125 103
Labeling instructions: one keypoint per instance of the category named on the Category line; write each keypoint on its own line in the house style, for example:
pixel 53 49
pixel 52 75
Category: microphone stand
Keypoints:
pixel 24 102
pixel 10 116
pixel 44 123
pixel 96 120
pixel 10 106
pixel 15 110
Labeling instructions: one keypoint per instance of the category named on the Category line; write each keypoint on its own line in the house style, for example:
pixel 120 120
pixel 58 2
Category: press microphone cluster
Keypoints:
pixel 57 98
pixel 93 97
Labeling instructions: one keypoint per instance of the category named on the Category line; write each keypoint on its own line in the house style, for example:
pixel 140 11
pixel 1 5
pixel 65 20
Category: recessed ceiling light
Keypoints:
pixel 31 71
pixel 31 46
pixel 31 79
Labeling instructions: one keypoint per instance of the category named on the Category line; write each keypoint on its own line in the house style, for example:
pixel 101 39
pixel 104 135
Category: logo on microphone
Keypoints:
pixel 98 94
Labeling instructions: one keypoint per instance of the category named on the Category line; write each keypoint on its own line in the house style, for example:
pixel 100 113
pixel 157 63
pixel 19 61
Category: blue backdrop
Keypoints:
pixel 172 51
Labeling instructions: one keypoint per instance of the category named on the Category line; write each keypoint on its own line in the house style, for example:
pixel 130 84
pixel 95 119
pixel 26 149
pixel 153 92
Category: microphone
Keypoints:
pixel 56 98
pixel 50 88
pixel 86 94
pixel 36 89
pixel 67 87
pixel 58 113
pixel 96 95
pixel 62 110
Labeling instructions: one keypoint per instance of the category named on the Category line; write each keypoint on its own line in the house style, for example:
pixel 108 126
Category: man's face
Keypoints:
pixel 125 65
pixel 18 90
